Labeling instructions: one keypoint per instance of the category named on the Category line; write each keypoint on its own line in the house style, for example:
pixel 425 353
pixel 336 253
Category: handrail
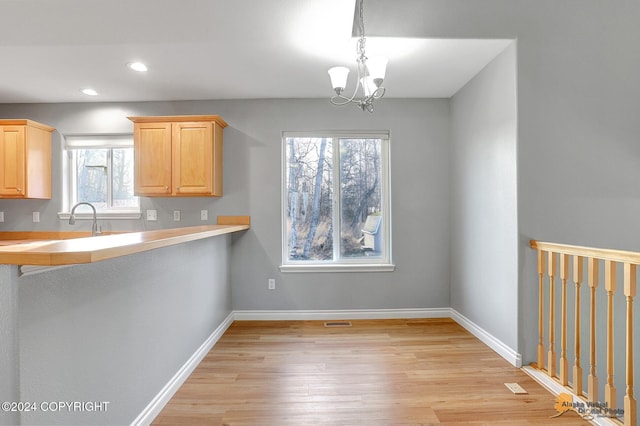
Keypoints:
pixel 599 253
pixel 558 260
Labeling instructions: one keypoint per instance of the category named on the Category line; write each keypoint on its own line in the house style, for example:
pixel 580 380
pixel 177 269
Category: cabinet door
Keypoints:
pixel 152 158
pixel 192 158
pixel 12 161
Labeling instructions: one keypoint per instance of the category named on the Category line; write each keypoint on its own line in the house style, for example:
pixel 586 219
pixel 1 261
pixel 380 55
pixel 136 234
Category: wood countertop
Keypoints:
pixel 94 249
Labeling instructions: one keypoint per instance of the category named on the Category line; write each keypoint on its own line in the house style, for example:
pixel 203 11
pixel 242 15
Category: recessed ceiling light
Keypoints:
pixel 137 66
pixel 90 92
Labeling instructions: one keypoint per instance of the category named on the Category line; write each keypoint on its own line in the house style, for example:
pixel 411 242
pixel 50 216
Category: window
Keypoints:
pixel 336 213
pixel 100 172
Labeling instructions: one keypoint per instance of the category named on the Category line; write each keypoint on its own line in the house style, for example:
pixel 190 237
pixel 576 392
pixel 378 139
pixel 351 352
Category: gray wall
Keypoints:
pixel 484 216
pixel 118 330
pixel 578 98
pixel 9 353
pixel 419 182
pixel 252 160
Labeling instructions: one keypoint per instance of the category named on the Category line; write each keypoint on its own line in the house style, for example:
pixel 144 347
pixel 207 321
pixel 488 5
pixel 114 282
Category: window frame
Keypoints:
pixel 71 143
pixel 337 264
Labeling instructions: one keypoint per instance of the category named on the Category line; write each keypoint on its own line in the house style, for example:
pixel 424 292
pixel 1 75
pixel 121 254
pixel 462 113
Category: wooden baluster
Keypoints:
pixel 564 363
pixel 541 255
pixel 630 413
pixel 551 355
pixel 610 287
pixel 592 380
pixel 577 368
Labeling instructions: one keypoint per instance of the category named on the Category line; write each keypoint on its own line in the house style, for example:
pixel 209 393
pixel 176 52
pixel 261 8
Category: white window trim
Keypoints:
pixel 107 215
pixel 344 265
pixel 70 141
pixel 339 267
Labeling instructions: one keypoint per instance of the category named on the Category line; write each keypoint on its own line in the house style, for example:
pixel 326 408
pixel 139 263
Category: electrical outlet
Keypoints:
pixel 1 216
pixel 152 215
pixel 36 217
pixel 272 284
pixel 204 214
pixel 176 215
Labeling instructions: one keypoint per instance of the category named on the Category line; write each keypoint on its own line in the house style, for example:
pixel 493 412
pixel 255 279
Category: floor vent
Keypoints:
pixel 516 388
pixel 337 324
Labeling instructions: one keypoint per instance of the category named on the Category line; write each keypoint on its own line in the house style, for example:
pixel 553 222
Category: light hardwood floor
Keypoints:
pixel 383 372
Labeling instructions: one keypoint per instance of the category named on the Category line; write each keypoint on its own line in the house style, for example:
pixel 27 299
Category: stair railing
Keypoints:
pixel 554 259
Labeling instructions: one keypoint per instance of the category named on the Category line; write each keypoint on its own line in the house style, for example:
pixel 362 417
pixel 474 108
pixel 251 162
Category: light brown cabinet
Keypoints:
pixel 178 156
pixel 25 159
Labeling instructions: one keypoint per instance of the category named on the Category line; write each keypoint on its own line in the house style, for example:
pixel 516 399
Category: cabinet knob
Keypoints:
pixel 166 188
pixel 19 190
pixel 178 189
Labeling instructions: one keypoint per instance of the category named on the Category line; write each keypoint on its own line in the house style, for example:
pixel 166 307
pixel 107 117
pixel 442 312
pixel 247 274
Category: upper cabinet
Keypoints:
pixel 25 159
pixel 178 155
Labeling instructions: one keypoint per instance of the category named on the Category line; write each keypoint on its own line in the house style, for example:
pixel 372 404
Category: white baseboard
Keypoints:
pixel 347 314
pixel 160 400
pixel 488 339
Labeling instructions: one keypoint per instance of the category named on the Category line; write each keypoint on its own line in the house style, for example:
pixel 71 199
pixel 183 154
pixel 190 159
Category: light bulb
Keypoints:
pixel 338 77
pixel 377 67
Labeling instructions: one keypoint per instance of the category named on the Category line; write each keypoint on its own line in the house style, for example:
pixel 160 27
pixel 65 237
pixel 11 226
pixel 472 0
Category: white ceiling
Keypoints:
pixel 210 49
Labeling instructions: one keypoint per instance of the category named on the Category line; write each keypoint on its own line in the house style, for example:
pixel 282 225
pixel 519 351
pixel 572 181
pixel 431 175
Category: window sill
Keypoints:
pixel 361 267
pixel 102 215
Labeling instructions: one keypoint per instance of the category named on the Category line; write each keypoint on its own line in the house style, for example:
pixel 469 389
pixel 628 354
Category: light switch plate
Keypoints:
pixel 176 215
pixel 152 215
pixel 36 217
pixel 1 216
pixel 204 214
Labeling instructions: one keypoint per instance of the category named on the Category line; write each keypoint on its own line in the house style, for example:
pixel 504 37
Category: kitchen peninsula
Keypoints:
pixel 122 325
pixel 63 251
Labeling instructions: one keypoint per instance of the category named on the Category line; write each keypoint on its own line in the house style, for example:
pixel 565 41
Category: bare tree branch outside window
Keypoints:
pixel 318 168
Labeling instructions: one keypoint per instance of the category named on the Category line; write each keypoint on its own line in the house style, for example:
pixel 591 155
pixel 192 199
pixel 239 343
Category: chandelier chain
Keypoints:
pixel 362 41
pixel 362 18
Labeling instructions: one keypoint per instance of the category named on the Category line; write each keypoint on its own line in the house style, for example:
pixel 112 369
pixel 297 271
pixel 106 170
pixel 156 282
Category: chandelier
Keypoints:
pixel 371 73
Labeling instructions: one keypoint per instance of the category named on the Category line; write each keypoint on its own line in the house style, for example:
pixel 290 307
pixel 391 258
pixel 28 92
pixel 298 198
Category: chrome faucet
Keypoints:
pixel 94 229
